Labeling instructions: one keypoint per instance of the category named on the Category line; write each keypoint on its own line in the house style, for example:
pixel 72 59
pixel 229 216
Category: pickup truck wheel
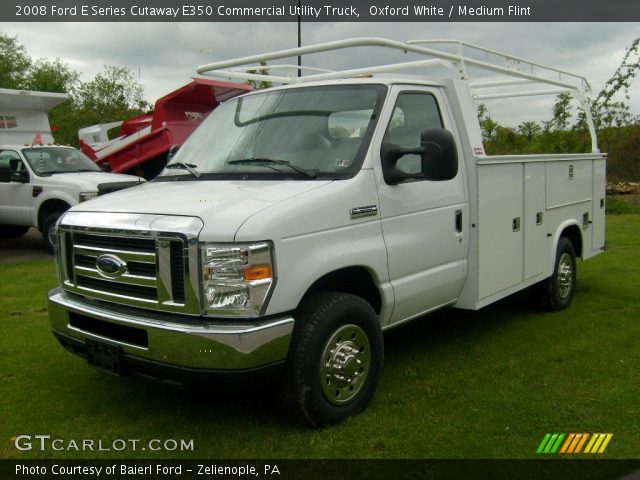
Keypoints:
pixel 13 231
pixel 47 230
pixel 556 292
pixel 335 359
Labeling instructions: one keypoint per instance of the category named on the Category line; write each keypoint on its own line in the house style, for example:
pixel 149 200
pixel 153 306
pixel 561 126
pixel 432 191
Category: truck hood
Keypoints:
pixel 89 181
pixel 222 205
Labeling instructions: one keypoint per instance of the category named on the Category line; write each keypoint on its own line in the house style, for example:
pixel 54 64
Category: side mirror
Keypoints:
pixel 439 154
pixel 106 167
pixel 390 154
pixel 438 158
pixel 172 151
pixel 21 176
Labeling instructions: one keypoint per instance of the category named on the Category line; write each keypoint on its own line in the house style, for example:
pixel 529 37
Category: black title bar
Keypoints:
pixel 319 11
pixel 562 469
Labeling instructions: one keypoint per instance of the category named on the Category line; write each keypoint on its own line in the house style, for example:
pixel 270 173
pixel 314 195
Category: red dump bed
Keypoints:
pixel 145 140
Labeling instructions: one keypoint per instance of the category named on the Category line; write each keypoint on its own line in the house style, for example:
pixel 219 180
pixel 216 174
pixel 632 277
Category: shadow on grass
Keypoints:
pixel 453 326
pixel 137 399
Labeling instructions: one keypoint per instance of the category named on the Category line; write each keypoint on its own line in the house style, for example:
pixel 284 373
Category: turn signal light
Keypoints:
pixel 258 272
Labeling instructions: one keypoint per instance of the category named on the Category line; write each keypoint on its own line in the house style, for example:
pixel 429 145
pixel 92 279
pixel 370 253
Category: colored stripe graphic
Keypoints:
pixel 574 443
pixel 543 443
pixel 605 443
pixel 550 443
pixel 598 443
pixel 581 442
pixel 567 443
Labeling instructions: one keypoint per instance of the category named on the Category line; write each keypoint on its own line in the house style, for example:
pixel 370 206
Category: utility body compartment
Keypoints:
pixel 523 205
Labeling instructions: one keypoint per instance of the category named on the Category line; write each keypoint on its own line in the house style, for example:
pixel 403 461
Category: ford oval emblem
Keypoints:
pixel 110 266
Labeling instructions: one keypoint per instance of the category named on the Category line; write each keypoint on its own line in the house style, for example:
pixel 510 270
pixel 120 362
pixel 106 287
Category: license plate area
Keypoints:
pixel 104 356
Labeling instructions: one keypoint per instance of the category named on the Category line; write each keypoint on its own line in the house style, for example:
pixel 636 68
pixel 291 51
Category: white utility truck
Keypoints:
pixel 298 223
pixel 39 183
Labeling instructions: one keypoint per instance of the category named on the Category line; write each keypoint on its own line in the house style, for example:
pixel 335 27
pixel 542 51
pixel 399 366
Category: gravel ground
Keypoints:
pixel 23 249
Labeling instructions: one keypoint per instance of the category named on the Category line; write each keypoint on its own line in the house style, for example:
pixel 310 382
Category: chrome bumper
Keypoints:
pixel 169 339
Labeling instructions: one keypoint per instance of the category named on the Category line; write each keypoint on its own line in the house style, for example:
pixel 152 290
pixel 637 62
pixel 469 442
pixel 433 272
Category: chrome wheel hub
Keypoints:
pixel 565 275
pixel 345 363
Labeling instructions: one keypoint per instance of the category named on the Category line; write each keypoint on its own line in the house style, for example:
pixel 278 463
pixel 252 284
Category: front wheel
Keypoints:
pixel 48 227
pixel 335 359
pixel 556 292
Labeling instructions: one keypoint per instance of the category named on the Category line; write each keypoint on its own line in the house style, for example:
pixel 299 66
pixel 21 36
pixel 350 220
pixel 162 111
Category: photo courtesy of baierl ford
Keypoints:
pixel 299 223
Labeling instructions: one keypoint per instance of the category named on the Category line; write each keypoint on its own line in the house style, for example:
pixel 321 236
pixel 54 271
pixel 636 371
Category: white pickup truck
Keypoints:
pixel 39 183
pixel 299 222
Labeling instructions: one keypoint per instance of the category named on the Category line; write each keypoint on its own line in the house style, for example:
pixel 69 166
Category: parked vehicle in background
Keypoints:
pixel 298 223
pixel 23 116
pixel 39 183
pixel 143 145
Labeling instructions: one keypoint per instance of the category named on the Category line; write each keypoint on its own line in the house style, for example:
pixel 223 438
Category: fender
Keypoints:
pixel 50 194
pixel 556 237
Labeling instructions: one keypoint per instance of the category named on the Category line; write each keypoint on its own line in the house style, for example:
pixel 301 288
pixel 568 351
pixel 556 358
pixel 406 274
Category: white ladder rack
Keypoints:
pixel 511 71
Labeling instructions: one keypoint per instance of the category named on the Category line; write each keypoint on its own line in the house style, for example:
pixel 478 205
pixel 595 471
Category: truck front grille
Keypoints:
pixel 116 288
pixel 146 269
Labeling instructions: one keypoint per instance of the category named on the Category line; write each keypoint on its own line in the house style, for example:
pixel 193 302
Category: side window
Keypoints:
pixel 413 113
pixel 9 162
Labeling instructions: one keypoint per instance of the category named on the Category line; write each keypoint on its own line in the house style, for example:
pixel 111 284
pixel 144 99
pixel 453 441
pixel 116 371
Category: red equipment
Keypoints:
pixel 145 140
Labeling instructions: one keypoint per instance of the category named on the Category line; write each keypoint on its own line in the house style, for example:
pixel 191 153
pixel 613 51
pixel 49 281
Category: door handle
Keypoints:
pixel 459 221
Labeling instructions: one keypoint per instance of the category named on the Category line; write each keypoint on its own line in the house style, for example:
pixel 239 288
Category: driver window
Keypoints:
pixel 413 113
pixel 10 162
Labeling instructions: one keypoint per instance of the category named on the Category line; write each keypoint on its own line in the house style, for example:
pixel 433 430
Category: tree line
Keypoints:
pixel 113 94
pixel 566 131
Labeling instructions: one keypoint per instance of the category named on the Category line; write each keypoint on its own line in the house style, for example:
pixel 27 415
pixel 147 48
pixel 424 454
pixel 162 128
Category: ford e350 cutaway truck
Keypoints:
pixel 299 222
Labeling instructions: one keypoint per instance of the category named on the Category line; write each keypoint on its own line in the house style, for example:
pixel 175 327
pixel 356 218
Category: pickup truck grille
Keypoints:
pixel 139 268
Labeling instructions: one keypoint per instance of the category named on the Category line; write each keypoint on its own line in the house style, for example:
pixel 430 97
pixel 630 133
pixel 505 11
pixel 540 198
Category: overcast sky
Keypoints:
pixel 167 54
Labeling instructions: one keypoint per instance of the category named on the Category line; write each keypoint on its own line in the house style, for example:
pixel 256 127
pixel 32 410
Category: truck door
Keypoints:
pixel 423 221
pixel 15 197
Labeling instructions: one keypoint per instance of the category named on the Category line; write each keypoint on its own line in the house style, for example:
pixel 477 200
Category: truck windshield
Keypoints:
pixel 46 161
pixel 301 133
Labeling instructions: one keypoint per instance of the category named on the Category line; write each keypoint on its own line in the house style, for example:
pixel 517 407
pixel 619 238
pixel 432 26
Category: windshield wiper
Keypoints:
pixel 272 161
pixel 185 166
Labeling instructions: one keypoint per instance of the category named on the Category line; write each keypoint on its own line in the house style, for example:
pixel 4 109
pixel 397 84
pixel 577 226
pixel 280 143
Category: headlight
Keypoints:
pixel 236 278
pixel 84 196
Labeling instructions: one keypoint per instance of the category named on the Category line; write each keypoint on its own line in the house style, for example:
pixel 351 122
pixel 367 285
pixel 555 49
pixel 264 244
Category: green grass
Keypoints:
pixel 619 204
pixel 456 385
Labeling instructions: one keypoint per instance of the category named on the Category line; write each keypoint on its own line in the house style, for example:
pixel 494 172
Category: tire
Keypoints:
pixel 556 292
pixel 13 231
pixel 319 393
pixel 47 230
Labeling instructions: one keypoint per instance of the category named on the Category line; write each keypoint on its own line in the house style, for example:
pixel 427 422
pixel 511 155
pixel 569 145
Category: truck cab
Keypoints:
pixel 299 223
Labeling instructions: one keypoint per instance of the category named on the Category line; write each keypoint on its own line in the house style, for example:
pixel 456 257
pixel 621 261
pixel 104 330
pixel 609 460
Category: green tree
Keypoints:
pixel 260 84
pixel 529 129
pixel 14 62
pixel 112 95
pixel 561 114
pixel 51 76
pixel 487 124
pixel 606 109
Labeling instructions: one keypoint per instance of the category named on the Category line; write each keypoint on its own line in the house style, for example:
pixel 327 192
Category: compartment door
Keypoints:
pixel 598 226
pixel 536 243
pixel 500 227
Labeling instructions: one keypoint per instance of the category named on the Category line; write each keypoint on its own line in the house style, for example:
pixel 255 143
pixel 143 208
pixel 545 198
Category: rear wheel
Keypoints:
pixel 556 292
pixel 48 230
pixel 13 231
pixel 335 359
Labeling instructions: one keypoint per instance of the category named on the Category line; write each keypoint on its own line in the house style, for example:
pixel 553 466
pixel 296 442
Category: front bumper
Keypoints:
pixel 169 342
